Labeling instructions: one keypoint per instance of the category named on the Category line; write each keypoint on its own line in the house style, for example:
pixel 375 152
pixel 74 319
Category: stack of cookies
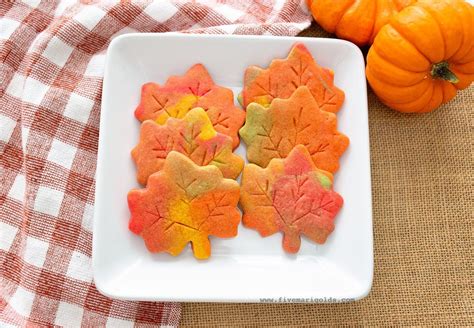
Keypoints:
pixel 185 159
pixel 293 142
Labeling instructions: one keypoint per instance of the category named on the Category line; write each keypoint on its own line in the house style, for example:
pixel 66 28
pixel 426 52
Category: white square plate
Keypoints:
pixel 247 268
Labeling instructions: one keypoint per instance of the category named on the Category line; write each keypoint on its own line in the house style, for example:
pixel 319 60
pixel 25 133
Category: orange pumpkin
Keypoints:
pixel 355 20
pixel 423 56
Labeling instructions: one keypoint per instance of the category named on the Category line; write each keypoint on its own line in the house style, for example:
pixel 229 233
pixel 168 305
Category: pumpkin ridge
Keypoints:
pixel 342 16
pixel 410 42
pixel 387 63
pixel 435 100
pixel 431 88
pixel 467 68
pixel 378 86
pixel 354 12
pixel 463 60
pixel 412 101
pixel 464 79
pixel 380 54
pixel 462 18
pixel 441 31
pixel 395 85
pixel 448 94
pixel 410 107
pixel 375 46
pixel 350 4
pixel 372 31
pixel 459 19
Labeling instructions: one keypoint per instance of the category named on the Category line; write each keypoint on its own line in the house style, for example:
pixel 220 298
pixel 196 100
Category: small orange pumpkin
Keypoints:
pixel 355 20
pixel 423 56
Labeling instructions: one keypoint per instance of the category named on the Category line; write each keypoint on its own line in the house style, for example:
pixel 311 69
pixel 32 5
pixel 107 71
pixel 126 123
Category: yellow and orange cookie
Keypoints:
pixel 193 136
pixel 184 203
pixel 180 94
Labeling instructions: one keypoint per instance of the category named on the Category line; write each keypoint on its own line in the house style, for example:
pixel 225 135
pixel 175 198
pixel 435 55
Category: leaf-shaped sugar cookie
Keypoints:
pixel 284 76
pixel 184 203
pixel 274 132
pixel 194 89
pixel 290 195
pixel 193 136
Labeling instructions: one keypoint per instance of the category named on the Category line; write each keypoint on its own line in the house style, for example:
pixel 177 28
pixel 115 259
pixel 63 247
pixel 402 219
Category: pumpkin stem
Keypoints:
pixel 441 71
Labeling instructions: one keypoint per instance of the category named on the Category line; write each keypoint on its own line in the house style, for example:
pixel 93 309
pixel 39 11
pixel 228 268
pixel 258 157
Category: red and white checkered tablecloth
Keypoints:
pixel 51 65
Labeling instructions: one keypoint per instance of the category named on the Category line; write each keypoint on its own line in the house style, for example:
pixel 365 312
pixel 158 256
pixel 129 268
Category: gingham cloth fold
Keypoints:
pixel 51 57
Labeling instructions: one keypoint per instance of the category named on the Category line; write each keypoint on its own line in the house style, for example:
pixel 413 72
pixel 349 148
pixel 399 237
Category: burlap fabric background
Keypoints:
pixel 422 175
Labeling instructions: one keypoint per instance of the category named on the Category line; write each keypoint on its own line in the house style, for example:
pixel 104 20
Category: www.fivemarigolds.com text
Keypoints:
pixel 306 300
